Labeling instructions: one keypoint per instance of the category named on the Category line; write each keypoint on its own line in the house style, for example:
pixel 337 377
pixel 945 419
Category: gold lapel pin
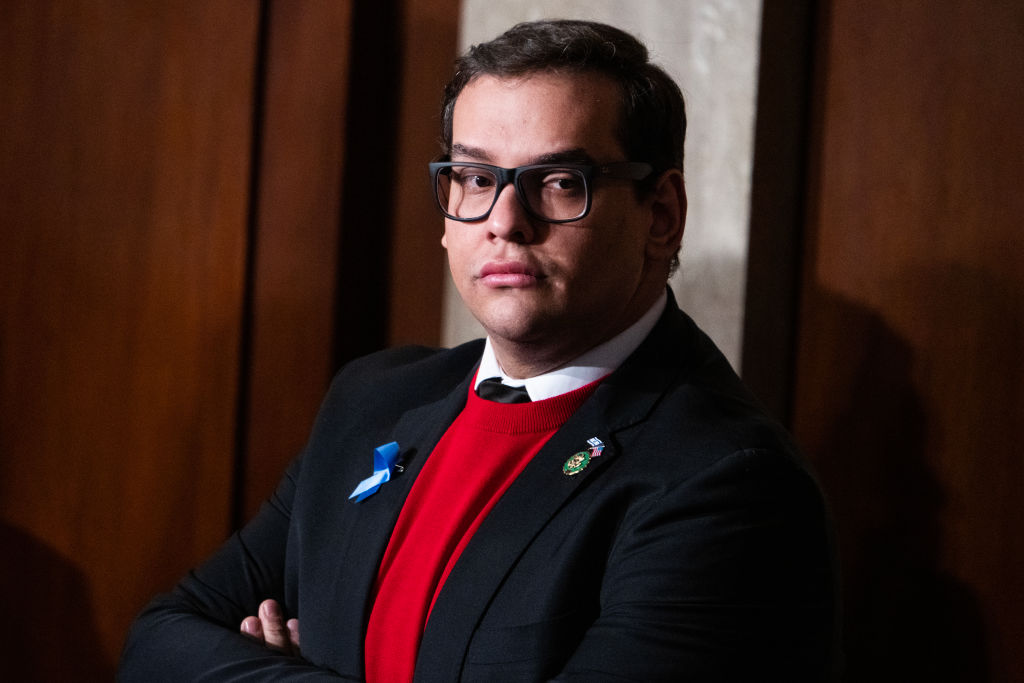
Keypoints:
pixel 579 461
pixel 576 464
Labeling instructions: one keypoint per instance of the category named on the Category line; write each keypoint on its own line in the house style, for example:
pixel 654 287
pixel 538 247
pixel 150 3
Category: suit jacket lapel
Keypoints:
pixel 623 399
pixel 362 530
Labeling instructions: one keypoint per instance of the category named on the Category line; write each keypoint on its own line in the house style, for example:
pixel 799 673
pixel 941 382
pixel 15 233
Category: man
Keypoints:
pixel 636 518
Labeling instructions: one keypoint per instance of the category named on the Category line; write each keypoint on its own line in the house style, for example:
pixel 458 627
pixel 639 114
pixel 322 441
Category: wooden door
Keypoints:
pixel 176 277
pixel 909 386
pixel 125 165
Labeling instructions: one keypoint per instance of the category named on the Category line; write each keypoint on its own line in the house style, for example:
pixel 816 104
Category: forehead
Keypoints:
pixel 513 121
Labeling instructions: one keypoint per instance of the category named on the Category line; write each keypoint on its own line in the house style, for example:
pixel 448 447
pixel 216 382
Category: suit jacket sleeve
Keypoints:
pixel 306 539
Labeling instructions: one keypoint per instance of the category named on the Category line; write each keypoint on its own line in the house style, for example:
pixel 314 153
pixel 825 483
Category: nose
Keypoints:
pixel 509 220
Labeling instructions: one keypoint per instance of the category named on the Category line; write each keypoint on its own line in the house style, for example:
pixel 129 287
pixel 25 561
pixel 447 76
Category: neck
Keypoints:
pixel 527 359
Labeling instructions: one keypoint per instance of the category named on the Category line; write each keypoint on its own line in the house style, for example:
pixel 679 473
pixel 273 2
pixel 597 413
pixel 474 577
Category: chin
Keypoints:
pixel 514 326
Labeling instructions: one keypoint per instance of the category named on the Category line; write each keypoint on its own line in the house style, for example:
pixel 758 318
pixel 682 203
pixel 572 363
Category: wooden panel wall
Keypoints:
pixel 322 296
pixel 417 262
pixel 173 297
pixel 910 367
pixel 124 163
pixel 777 206
pixel 289 350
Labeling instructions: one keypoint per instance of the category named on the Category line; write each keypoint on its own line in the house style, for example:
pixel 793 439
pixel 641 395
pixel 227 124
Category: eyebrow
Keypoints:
pixel 576 155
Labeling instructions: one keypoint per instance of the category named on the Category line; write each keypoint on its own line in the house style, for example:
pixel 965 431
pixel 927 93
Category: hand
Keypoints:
pixel 270 629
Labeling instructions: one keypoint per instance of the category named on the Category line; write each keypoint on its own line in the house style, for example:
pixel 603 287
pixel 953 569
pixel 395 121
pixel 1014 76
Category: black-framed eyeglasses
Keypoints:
pixel 553 193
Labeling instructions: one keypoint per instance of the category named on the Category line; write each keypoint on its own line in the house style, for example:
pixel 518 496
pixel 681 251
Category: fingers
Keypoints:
pixel 252 627
pixel 275 632
pixel 270 628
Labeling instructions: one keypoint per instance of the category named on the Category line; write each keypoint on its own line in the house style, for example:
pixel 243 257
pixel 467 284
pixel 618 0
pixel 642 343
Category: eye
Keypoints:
pixel 563 181
pixel 470 178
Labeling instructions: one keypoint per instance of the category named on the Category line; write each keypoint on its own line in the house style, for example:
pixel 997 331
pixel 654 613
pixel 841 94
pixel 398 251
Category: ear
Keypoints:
pixel 668 216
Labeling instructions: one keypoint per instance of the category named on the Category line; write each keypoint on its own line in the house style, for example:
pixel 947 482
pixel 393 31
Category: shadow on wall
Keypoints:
pixel 48 632
pixel 906 619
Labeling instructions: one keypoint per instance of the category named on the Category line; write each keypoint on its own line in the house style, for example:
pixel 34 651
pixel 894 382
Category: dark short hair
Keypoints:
pixel 652 124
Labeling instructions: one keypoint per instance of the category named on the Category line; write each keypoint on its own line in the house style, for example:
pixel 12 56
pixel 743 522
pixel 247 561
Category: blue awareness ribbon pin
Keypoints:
pixel 384 458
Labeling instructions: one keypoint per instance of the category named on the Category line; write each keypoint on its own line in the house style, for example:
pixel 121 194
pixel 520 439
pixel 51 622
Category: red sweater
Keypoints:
pixel 479 456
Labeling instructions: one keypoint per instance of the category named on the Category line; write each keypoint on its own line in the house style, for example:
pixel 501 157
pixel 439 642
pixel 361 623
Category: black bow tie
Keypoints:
pixel 492 389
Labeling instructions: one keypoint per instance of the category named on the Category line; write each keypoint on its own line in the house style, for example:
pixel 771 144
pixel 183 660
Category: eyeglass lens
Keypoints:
pixel 557 194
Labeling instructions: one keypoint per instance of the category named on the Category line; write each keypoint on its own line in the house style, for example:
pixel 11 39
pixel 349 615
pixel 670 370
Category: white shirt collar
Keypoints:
pixel 590 367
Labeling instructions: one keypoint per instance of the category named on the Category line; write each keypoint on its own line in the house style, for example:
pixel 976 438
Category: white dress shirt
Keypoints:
pixel 590 367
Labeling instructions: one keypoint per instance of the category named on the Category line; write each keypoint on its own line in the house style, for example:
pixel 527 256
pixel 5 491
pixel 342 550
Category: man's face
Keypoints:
pixel 550 290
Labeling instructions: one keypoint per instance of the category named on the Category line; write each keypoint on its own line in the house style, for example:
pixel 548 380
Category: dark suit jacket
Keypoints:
pixel 695 548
